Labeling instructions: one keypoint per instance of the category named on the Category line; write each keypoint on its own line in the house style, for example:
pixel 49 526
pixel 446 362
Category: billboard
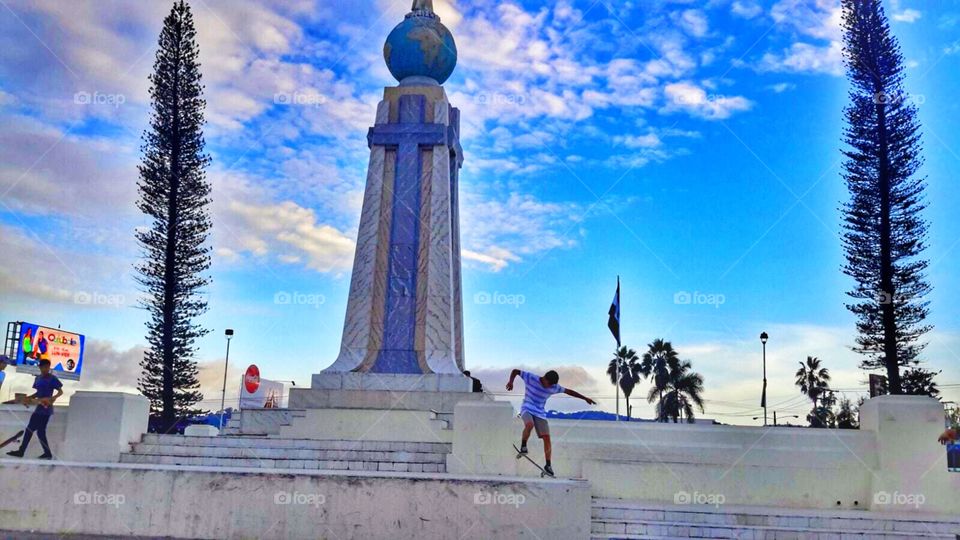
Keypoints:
pixel 63 349
pixel 257 393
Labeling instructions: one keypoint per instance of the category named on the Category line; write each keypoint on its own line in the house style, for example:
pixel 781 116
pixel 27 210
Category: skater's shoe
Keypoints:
pixel 548 469
pixel 15 453
pixel 523 449
pixel 46 456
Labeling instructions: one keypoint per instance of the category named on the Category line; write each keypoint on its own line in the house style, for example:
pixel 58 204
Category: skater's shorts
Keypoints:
pixel 540 424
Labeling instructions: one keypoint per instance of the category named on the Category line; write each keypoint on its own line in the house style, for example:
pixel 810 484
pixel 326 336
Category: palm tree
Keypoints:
pixel 657 362
pixel 813 379
pixel 683 390
pixel 629 367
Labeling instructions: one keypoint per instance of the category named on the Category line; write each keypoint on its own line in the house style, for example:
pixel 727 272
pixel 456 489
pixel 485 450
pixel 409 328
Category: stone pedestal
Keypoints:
pixel 103 424
pixel 911 474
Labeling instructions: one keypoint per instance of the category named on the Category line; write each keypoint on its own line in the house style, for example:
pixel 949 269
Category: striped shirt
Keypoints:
pixel 535 395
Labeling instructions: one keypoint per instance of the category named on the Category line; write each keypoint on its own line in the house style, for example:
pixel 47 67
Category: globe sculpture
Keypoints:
pixel 420 47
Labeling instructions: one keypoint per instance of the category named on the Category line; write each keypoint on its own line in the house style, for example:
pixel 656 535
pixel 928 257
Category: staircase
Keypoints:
pixel 617 519
pixel 287 453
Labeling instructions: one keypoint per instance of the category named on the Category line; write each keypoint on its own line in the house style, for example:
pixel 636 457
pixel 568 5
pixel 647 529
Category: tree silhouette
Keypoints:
pixel 656 364
pixel 884 234
pixel 629 368
pixel 175 194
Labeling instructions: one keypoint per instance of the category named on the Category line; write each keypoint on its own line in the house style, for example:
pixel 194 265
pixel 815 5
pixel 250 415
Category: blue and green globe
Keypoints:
pixel 420 46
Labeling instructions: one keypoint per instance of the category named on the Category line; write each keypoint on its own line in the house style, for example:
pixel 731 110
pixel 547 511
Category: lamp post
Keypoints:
pixel 763 341
pixel 223 396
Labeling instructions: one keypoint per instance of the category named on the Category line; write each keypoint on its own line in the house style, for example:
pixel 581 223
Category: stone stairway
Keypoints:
pixel 285 453
pixel 618 519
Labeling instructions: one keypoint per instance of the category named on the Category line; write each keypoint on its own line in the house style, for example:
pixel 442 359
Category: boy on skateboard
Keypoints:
pixel 48 389
pixel 537 390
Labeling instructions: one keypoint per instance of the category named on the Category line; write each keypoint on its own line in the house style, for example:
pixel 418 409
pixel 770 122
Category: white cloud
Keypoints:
pixel 498 231
pixel 907 16
pixel 782 87
pixel 283 230
pixel 806 58
pixel 650 140
pixel 694 100
pixel 694 21
pixel 745 9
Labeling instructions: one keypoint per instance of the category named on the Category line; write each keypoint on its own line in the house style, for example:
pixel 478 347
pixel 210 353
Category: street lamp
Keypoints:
pixel 763 340
pixel 223 397
pixel 775 417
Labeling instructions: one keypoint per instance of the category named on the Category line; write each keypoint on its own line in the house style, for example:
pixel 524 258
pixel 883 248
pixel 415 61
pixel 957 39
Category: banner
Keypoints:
pixel 63 349
pixel 257 393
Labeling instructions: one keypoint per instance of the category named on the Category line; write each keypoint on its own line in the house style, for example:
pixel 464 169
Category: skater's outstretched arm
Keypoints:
pixel 576 394
pixel 513 375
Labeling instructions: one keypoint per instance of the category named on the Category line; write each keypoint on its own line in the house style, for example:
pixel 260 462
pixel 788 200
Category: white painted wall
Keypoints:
pixel 896 453
pixel 103 424
pixel 368 425
pixel 133 500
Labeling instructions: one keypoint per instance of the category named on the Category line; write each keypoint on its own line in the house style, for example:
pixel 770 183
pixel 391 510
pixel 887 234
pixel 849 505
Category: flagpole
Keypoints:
pixel 617 354
pixel 616 359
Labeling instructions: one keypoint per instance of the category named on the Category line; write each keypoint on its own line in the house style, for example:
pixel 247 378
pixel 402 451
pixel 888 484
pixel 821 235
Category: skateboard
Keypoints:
pixel 11 440
pixel 543 472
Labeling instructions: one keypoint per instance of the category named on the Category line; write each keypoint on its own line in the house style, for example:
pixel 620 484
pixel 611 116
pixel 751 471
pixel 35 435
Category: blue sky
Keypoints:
pixel 690 147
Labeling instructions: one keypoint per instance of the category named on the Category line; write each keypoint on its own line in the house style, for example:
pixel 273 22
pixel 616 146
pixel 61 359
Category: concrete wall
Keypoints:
pixel 131 500
pixel 368 425
pixel 14 418
pixel 891 464
pixel 104 424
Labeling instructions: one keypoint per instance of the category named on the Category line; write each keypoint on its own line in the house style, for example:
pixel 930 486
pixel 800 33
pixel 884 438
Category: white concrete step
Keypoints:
pixel 288 453
pixel 300 444
pixel 277 453
pixel 626 519
pixel 307 464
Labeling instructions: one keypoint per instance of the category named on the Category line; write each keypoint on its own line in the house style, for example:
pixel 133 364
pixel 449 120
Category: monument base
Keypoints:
pixel 391 382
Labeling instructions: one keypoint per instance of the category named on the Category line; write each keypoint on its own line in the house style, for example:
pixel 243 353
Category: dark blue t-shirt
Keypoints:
pixel 45 387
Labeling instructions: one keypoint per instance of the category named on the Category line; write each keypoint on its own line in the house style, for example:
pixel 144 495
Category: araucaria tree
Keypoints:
pixel 175 194
pixel 884 233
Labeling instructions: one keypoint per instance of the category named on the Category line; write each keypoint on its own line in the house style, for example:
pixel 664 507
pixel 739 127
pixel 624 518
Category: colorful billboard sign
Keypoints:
pixel 63 349
pixel 257 393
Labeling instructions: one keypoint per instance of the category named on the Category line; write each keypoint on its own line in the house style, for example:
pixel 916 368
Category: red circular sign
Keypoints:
pixel 251 380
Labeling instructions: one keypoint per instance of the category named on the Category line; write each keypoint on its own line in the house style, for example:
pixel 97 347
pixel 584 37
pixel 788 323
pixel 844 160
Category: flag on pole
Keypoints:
pixel 763 398
pixel 613 323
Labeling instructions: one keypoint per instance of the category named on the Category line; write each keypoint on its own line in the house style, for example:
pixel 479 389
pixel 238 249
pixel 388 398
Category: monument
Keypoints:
pixel 403 329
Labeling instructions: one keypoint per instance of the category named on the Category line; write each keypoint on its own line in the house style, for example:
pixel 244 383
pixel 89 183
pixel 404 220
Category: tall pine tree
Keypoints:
pixel 174 192
pixel 884 234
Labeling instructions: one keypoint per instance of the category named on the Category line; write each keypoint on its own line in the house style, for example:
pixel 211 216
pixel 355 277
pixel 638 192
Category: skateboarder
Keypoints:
pixel 537 390
pixel 3 366
pixel 48 389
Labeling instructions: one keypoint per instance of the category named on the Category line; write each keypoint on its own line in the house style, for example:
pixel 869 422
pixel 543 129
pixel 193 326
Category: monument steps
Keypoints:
pixel 280 453
pixel 616 519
